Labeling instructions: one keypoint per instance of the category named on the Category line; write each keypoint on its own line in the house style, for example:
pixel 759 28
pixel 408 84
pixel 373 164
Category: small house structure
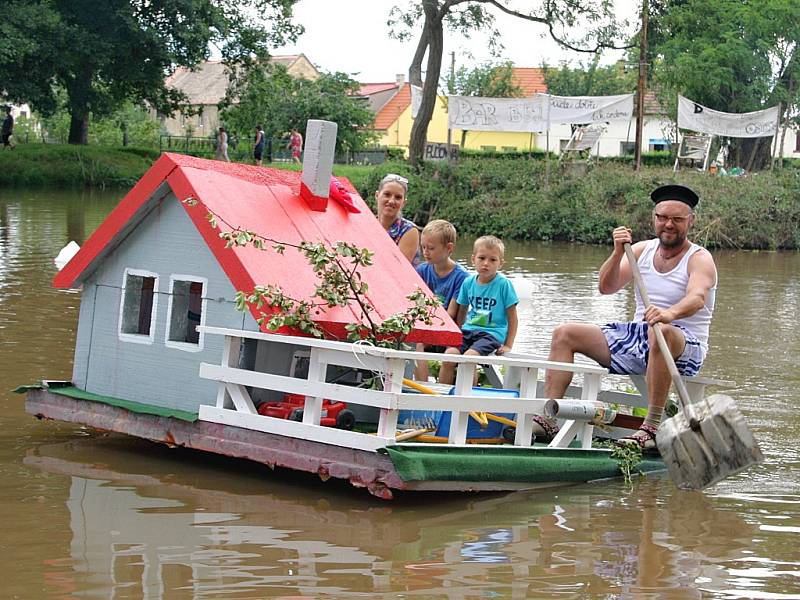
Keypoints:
pixel 156 268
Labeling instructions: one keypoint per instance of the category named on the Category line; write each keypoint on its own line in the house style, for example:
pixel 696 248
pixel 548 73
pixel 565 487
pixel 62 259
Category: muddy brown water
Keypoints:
pixel 92 515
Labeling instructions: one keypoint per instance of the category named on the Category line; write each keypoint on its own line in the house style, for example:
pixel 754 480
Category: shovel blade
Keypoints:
pixel 707 443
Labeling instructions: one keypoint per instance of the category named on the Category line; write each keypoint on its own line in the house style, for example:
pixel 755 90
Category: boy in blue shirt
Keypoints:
pixel 441 274
pixel 487 306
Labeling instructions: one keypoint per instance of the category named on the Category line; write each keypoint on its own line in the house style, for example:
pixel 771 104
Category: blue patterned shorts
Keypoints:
pixel 629 348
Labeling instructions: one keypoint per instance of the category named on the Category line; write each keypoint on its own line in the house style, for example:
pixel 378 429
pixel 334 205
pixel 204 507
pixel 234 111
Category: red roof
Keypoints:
pixel 266 201
pixel 392 110
pixel 373 88
pixel 530 80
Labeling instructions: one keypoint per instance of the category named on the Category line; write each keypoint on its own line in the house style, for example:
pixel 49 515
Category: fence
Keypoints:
pixel 275 151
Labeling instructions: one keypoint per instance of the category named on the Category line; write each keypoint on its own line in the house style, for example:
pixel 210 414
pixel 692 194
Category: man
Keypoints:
pixel 681 280
pixel 8 129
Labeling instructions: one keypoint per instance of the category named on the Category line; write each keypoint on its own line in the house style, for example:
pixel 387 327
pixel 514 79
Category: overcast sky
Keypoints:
pixel 352 36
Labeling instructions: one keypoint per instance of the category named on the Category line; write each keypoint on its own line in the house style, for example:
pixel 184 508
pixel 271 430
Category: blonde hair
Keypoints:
pixel 445 231
pixel 489 241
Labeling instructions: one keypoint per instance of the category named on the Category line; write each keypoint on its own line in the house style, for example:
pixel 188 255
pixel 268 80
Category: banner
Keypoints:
pixel 760 123
pixel 583 110
pixel 416 100
pixel 535 114
pixel 497 114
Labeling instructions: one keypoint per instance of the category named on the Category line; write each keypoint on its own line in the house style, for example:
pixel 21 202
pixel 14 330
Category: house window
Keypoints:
pixel 626 148
pixel 488 148
pixel 186 311
pixel 797 142
pixel 509 148
pixel 138 306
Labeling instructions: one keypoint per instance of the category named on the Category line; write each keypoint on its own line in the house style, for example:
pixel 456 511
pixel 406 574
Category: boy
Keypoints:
pixel 441 274
pixel 487 306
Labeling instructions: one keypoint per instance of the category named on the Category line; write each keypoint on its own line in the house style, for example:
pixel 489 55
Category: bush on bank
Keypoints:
pixel 515 199
pixel 512 197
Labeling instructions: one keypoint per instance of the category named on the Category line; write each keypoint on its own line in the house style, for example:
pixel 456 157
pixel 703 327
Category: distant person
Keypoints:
pixel 8 130
pixel 390 198
pixel 487 307
pixel 222 145
pixel 681 280
pixel 296 145
pixel 441 274
pixel 258 145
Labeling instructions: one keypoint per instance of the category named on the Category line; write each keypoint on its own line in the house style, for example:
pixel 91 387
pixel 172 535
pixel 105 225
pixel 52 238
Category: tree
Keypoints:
pixel 106 53
pixel 731 56
pixel 489 80
pixel 265 93
pixel 589 79
pixel 467 16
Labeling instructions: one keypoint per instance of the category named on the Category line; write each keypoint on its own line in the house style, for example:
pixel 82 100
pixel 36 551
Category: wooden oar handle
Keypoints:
pixel 683 393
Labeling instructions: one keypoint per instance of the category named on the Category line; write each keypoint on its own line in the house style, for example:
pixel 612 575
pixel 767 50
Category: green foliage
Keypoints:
pixel 106 53
pixel 265 93
pixel 491 80
pixel 729 55
pixel 62 165
pixel 107 131
pixel 590 79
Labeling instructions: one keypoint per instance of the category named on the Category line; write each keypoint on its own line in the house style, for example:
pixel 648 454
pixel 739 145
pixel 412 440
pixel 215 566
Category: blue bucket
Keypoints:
pixel 474 429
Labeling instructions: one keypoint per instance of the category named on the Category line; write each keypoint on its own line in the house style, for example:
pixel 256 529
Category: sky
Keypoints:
pixel 352 36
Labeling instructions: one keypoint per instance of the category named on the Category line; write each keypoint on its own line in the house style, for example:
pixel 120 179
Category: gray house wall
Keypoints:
pixel 167 243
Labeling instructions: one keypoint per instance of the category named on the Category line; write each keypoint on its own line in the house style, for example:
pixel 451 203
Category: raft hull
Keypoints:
pixel 406 467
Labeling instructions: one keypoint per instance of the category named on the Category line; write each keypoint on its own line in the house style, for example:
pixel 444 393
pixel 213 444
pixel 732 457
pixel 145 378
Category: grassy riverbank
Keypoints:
pixel 511 197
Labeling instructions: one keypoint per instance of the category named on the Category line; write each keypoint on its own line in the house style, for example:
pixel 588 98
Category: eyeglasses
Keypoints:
pixel 662 219
pixel 394 177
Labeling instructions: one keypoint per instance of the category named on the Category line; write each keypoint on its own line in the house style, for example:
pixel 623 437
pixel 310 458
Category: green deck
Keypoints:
pixel 67 389
pixel 480 463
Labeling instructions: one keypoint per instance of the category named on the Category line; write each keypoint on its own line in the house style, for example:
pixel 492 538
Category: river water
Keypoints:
pixel 92 515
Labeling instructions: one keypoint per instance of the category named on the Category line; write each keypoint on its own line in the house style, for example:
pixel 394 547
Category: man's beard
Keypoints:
pixel 675 242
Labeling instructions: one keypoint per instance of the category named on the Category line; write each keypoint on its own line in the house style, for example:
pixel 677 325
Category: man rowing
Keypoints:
pixel 681 280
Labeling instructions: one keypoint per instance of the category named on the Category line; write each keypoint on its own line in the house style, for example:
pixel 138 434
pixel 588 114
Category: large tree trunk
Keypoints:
pixel 79 129
pixel 79 90
pixel 433 38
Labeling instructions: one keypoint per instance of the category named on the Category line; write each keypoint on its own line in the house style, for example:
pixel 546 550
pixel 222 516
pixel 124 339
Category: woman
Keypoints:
pixel 391 197
pixel 222 145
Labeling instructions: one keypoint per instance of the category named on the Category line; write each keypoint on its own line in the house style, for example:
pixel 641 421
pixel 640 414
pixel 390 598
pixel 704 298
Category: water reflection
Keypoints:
pixel 145 523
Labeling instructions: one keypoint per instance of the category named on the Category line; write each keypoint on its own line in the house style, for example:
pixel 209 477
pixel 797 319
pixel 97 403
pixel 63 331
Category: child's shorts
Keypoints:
pixel 479 341
pixel 630 349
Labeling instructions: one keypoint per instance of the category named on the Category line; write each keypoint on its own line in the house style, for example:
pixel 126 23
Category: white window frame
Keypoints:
pixel 138 338
pixel 186 346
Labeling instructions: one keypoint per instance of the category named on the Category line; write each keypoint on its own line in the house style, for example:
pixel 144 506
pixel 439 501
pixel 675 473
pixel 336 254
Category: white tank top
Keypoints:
pixel 666 289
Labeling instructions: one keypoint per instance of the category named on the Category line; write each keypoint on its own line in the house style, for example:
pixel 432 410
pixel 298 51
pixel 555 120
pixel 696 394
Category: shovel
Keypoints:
pixel 705 442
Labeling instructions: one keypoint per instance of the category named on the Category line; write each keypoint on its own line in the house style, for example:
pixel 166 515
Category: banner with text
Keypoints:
pixel 536 113
pixel 696 117
pixel 585 110
pixel 497 114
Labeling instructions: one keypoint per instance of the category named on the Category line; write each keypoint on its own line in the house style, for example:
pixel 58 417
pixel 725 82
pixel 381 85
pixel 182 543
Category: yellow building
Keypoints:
pixel 391 103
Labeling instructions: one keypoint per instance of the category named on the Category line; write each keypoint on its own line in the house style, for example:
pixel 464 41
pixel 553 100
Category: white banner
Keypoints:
pixel 582 110
pixel 416 100
pixel 695 117
pixel 497 114
pixel 535 114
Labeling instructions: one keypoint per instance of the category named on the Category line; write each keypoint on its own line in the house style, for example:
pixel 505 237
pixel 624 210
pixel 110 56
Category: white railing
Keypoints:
pixel 235 406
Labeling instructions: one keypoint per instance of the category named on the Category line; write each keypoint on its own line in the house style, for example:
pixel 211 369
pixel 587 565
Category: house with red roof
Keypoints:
pixel 156 268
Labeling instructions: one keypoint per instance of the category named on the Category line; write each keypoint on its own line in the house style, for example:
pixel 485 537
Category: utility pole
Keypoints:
pixel 640 88
pixel 452 90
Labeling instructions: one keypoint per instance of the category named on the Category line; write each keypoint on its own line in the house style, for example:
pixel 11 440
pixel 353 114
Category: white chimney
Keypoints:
pixel 320 144
pixel 401 79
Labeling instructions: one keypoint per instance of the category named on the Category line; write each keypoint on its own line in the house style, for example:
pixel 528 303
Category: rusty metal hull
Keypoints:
pixel 362 469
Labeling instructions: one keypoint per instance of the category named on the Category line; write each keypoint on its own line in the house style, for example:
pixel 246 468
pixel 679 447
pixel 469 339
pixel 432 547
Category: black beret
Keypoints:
pixel 673 191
